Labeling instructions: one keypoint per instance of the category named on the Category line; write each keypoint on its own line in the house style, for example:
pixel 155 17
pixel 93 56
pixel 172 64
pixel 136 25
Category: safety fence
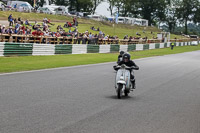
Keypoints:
pixel 14 38
pixel 24 49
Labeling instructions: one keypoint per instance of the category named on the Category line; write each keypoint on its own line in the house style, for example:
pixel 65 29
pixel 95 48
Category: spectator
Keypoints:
pixel 20 21
pixel 27 31
pixel 15 20
pixel 38 32
pixel 106 37
pixel 15 6
pixel 80 37
pixel 138 34
pixel 0 28
pixel 125 37
pixel 67 24
pixel 57 34
pixel 75 23
pixel 70 30
pixel 10 30
pixel 90 37
pixel 3 7
pixel 34 27
pixel 27 23
pixel 49 22
pixel 3 30
pixel 84 39
pixel 11 22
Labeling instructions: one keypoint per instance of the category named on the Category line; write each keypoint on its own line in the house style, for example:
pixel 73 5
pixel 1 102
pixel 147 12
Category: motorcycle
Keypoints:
pixel 122 83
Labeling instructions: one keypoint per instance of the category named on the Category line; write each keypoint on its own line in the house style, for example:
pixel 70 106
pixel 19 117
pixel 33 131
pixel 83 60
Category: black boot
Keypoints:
pixel 133 83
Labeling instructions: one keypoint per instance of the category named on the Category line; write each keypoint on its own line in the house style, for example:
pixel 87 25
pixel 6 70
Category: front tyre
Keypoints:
pixel 119 91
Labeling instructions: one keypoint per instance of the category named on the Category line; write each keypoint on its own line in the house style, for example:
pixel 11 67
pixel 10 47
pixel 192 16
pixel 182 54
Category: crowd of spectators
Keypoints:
pixel 20 27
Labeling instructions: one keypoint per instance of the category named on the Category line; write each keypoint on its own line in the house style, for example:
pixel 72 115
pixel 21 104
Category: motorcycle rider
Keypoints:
pixel 128 62
pixel 120 56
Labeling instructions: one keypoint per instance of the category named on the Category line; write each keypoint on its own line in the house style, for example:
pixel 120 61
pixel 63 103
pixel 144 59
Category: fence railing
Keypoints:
pixel 70 40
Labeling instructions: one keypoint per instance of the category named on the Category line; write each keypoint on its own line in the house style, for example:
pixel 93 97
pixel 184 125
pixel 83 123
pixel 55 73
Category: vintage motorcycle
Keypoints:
pixel 122 83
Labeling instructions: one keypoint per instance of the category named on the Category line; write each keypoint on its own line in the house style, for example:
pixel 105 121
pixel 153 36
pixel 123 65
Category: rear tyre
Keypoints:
pixel 119 94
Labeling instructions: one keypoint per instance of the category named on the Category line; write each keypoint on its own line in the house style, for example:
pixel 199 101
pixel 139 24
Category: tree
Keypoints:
pixel 186 11
pixel 171 19
pixel 171 14
pixel 72 5
pixel 111 6
pixel 134 8
pixel 62 2
pixel 153 10
pixel 197 15
pixel 118 5
pixel 94 4
pixel 125 7
pixel 85 6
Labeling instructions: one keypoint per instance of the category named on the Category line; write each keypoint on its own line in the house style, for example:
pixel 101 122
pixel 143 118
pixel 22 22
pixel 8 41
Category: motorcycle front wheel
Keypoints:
pixel 119 93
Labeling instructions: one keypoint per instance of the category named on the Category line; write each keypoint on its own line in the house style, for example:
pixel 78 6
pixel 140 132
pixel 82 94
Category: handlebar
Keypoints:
pixel 126 67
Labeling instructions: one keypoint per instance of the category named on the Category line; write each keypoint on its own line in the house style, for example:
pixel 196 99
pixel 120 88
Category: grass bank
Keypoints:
pixel 25 63
pixel 85 24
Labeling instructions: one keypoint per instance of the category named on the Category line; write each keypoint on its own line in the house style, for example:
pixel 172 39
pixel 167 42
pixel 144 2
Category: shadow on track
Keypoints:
pixel 115 97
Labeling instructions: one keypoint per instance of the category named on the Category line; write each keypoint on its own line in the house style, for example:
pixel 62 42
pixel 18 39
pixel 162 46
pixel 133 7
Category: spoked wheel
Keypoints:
pixel 119 93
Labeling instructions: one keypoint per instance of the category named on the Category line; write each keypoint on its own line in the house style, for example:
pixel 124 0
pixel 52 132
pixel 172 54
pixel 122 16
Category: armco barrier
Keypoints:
pixel 92 48
pixel 79 49
pixel 10 49
pixel 18 49
pixel 104 49
pixel 146 47
pixel 123 48
pixel 162 45
pixel 131 47
pixel 63 49
pixel 165 45
pixel 1 48
pixel 139 47
pixel 152 46
pixel 40 49
pixel 168 44
pixel 157 45
pixel 114 48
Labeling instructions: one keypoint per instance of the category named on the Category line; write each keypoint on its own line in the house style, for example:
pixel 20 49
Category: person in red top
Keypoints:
pixel 69 24
pixel 57 34
pixel 49 22
pixel 37 33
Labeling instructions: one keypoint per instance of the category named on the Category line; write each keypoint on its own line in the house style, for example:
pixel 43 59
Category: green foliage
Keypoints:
pixel 186 11
pixel 156 11
pixel 81 5
pixel 153 10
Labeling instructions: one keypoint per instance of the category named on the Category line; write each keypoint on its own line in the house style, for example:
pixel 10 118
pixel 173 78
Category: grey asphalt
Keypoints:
pixel 83 99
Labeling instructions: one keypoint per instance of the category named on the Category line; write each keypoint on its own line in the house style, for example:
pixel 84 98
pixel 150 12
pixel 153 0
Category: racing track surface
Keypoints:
pixel 83 99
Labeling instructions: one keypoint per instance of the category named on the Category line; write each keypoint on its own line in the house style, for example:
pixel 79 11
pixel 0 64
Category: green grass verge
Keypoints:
pixel 25 63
